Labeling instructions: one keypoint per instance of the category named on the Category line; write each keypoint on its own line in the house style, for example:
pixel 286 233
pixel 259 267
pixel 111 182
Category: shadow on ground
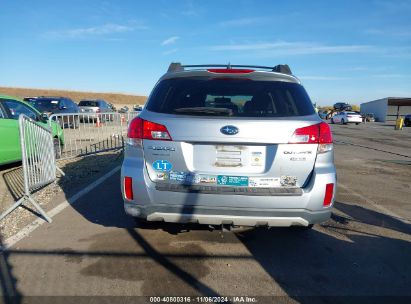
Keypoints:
pixel 11 184
pixel 341 258
pixel 8 291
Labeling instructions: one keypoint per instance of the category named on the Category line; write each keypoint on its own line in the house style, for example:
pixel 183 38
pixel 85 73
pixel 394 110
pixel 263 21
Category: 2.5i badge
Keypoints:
pixel 162 165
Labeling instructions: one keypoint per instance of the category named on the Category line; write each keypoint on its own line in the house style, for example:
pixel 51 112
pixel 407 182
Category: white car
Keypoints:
pixel 347 117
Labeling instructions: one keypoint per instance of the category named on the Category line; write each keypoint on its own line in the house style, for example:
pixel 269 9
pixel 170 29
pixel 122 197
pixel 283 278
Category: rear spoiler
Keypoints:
pixel 280 68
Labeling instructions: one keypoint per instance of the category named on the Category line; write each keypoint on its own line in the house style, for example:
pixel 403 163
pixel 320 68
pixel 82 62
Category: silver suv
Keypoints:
pixel 229 145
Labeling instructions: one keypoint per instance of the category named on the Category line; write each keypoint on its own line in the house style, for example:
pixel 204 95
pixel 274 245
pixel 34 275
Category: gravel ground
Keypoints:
pixel 79 172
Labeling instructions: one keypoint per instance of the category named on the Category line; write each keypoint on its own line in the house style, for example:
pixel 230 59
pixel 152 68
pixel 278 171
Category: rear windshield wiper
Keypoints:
pixel 206 111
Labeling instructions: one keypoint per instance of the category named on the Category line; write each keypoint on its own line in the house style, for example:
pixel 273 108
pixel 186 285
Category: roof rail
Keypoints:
pixel 280 68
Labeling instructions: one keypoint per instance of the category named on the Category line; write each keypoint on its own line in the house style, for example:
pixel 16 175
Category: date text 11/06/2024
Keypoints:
pixel 201 299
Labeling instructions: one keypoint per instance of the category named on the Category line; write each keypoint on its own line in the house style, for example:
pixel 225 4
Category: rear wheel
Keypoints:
pixel 357 123
pixel 342 122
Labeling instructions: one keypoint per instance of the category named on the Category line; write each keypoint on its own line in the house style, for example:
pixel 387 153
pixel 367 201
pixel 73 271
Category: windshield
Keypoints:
pixel 45 104
pixel 229 97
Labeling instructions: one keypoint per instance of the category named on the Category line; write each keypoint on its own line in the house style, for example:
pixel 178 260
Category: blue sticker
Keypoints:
pixel 178 176
pixel 162 165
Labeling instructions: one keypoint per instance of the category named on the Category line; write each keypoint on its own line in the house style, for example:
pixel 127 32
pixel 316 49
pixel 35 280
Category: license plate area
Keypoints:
pixel 229 159
pixel 230 156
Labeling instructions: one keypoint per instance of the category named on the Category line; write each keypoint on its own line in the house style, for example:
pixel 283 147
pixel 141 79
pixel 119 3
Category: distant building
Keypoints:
pixel 387 109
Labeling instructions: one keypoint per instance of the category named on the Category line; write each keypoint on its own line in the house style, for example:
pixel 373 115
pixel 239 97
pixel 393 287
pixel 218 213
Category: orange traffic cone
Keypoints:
pixel 98 122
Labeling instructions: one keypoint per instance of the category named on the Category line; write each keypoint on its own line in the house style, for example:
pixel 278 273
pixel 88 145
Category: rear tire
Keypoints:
pixel 357 123
pixel 342 122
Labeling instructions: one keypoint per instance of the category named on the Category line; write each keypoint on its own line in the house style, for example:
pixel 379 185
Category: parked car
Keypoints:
pixel 342 106
pixel 346 117
pixel 137 108
pixel 369 117
pixel 323 114
pixel 94 108
pixel 10 110
pixel 211 148
pixel 123 109
pixel 112 107
pixel 57 105
pixel 407 120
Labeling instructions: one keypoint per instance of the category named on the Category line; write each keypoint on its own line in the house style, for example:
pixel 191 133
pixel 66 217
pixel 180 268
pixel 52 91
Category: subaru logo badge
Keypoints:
pixel 229 130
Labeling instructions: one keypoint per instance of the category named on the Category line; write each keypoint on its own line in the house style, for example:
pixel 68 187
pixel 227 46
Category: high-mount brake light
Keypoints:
pixel 231 71
pixel 314 134
pixel 144 129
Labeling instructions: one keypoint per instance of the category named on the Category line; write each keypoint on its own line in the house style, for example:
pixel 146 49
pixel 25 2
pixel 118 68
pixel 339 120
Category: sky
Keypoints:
pixel 343 51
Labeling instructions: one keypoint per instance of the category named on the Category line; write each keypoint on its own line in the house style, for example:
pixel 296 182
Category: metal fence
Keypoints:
pixel 38 161
pixel 89 133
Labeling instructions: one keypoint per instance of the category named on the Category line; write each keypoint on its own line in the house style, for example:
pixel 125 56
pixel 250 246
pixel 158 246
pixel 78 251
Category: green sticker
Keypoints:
pixel 239 181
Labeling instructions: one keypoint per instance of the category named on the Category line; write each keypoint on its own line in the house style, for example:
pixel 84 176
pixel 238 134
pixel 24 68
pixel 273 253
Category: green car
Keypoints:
pixel 10 109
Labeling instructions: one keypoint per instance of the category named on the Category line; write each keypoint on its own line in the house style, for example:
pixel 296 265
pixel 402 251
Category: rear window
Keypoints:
pixel 229 97
pixel 88 103
pixel 45 104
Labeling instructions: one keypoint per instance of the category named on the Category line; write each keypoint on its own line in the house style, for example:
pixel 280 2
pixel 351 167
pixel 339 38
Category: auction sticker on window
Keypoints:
pixel 264 182
pixel 239 181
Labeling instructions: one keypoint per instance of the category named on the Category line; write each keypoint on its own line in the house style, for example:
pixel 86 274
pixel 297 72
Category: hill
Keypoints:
pixel 118 99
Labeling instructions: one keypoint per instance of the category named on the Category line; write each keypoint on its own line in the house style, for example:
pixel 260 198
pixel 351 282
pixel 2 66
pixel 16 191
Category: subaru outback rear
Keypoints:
pixel 229 145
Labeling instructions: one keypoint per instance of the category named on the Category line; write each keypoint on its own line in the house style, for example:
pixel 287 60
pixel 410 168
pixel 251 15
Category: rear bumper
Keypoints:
pixel 228 216
pixel 354 120
pixel 215 209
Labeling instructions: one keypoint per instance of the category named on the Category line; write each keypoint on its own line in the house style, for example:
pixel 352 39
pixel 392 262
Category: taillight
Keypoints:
pixel 98 110
pixel 325 134
pixel 329 190
pixel 152 130
pixel 231 71
pixel 144 129
pixel 128 188
pixel 314 134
